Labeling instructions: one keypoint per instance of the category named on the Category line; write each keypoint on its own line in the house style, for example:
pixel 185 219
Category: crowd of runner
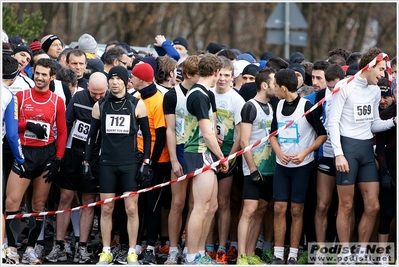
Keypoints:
pixel 80 126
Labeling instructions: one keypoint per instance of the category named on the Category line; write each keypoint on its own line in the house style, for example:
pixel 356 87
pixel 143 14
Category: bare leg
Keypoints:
pixel 106 219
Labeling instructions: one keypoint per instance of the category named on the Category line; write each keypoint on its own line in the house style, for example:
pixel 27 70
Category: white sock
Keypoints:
pixel 138 249
pixel 131 250
pixel 293 253
pixel 279 252
pixel 234 244
pixel 202 253
pixel 185 250
pixel 107 249
pixel 173 249
pixel 191 257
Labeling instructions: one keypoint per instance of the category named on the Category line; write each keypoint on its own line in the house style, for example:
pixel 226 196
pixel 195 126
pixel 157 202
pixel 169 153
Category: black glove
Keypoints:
pixel 87 171
pixel 387 182
pixel 21 169
pixel 257 178
pixel 37 129
pixel 145 176
pixel 53 166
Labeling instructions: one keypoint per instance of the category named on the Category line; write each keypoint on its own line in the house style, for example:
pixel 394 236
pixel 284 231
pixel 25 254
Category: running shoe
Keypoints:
pixel 172 258
pixel 56 254
pixel 11 256
pixel 242 260
pixel 276 261
pixel 267 255
pixel 84 256
pixel 39 250
pixel 349 260
pixel 254 260
pixel 221 257
pixel 121 258
pixel 149 257
pixel 132 259
pixel 30 257
pixel 105 258
pixel 232 253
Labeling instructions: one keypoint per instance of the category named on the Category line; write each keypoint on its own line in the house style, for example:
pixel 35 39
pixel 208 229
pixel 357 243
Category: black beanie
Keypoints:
pixel 24 49
pixel 299 68
pixel 119 71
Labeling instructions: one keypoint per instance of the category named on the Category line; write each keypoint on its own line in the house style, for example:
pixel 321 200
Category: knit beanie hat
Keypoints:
pixel 251 69
pixel 352 69
pixel 213 48
pixel 87 43
pixel 23 48
pixel 180 40
pixel 144 72
pixel 299 68
pixel 297 57
pixel 35 45
pixel 119 71
pixel 46 44
pixel 239 66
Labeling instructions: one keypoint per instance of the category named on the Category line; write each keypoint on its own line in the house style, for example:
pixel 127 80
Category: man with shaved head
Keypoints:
pixel 78 115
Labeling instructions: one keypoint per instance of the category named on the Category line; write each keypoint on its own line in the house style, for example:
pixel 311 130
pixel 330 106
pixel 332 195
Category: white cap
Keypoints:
pixel 4 37
pixel 239 66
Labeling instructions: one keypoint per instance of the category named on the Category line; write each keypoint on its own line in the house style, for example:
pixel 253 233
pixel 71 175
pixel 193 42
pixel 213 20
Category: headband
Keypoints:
pixel 46 44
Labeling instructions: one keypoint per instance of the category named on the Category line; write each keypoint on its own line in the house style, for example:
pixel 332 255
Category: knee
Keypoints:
pixel 106 210
pixel 296 210
pixel 372 208
pixel 322 208
pixel 38 205
pixel 11 204
pixel 279 209
pixel 131 211
pixel 65 199
pixel 213 207
pixel 224 204
pixel 345 207
pixel 177 206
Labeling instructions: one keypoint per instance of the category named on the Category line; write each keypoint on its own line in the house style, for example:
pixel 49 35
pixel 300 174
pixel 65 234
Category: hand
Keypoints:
pixel 177 168
pixel 284 158
pixel 87 171
pixel 224 167
pixel 37 129
pixel 53 167
pixel 298 158
pixel 387 182
pixel 257 178
pixel 145 175
pixel 341 163
pixel 159 40
pixel 21 169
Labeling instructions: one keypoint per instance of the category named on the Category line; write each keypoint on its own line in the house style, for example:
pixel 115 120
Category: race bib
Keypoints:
pixel 220 128
pixel 30 135
pixel 81 130
pixel 363 113
pixel 288 135
pixel 117 124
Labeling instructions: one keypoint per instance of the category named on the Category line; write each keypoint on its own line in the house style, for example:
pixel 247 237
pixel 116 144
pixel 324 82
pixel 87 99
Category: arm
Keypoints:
pixel 61 128
pixel 170 50
pixel 142 119
pixel 70 115
pixel 337 104
pixel 237 142
pixel 21 121
pixel 94 127
pixel 11 122
pixel 171 142
pixel 246 131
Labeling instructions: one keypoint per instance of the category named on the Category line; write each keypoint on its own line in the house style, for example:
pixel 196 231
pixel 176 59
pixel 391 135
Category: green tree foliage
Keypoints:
pixel 29 28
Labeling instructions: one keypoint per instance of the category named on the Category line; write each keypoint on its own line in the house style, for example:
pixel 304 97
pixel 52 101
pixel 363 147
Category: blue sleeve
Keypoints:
pixel 70 115
pixel 170 50
pixel 11 122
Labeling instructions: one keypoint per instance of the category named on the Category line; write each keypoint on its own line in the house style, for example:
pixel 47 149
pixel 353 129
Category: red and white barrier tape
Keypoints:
pixel 374 62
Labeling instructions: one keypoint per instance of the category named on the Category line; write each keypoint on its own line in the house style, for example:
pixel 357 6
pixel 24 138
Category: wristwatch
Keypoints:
pixel 147 161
